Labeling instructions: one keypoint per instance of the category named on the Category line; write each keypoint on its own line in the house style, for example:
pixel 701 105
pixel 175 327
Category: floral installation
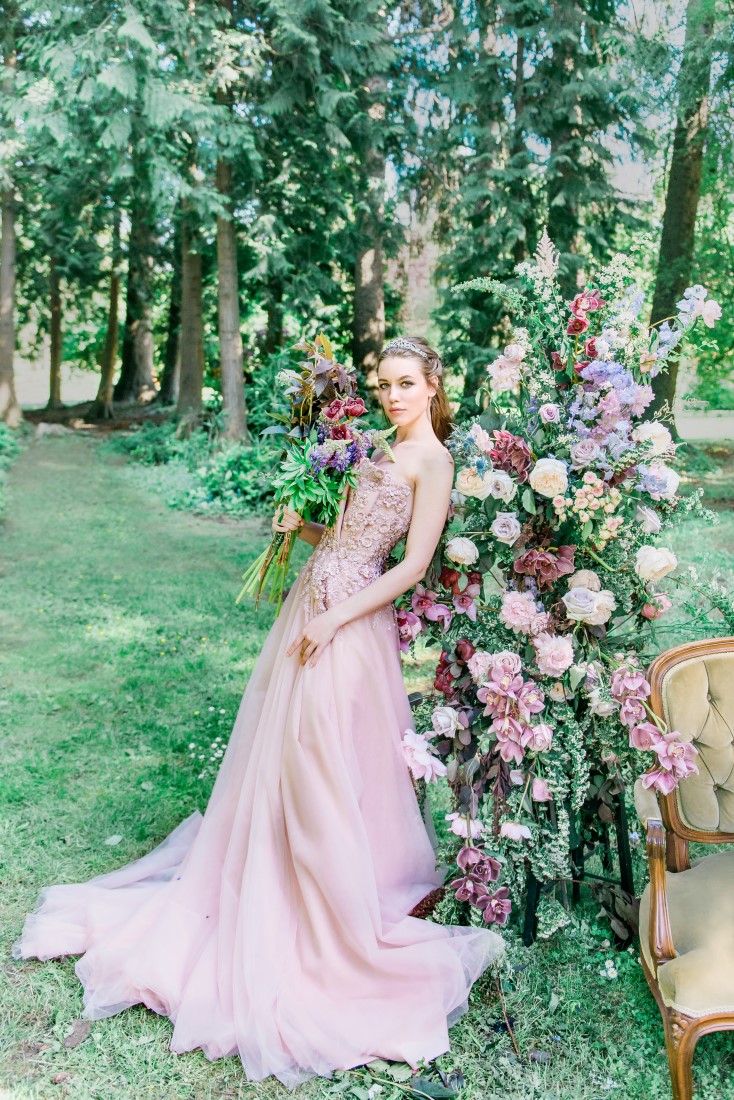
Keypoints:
pixel 323 446
pixel 550 582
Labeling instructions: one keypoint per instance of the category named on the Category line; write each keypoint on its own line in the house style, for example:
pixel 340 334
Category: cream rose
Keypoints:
pixel 585 578
pixel 648 518
pixel 445 721
pixel 548 477
pixel 652 431
pixel 461 550
pixel 586 606
pixel 471 484
pixel 506 527
pixel 652 563
pixel 605 605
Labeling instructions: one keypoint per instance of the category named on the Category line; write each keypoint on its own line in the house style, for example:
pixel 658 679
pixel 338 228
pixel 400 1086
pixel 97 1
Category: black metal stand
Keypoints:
pixel 579 857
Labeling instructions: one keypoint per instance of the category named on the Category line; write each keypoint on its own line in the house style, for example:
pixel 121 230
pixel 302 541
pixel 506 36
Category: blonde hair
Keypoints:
pixel 414 347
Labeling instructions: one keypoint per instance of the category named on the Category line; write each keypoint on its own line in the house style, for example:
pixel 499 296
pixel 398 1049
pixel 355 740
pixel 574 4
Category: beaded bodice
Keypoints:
pixel 352 553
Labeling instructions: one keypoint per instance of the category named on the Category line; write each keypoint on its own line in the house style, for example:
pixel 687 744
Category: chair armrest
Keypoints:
pixel 661 938
pixel 646 803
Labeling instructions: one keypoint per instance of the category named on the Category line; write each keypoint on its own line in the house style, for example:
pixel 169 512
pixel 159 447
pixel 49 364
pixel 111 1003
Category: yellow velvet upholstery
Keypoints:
pixel 701 907
pixel 698 701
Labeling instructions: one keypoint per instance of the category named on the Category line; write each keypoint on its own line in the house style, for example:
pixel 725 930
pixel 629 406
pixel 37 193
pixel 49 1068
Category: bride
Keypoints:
pixel 277 925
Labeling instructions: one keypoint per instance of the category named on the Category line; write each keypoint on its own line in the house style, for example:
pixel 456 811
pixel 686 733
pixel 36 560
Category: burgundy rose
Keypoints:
pixel 577 325
pixel 590 347
pixel 449 578
pixel 511 454
pixel 355 406
pixel 444 682
pixel 336 410
pixel 340 431
pixel 556 361
pixel 464 650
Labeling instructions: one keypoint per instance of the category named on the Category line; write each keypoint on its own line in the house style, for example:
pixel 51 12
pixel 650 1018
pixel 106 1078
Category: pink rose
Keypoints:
pixel 537 738
pixel 355 406
pixel 459 827
pixel 513 830
pixel 507 662
pixel 335 410
pixel 549 413
pixel 518 611
pixel 539 791
pixel 479 665
pixel 553 654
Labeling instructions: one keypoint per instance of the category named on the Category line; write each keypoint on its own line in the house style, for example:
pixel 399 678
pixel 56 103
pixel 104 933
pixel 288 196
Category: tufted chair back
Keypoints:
pixel 693 690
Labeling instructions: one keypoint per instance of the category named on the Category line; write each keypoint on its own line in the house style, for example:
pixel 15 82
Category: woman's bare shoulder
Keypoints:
pixel 435 458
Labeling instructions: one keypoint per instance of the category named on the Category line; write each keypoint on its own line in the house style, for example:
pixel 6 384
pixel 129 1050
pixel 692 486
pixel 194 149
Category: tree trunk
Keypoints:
pixel 170 377
pixel 192 329
pixel 369 268
pixel 54 286
pixel 675 259
pixel 9 408
pixel 563 212
pixel 102 406
pixel 137 376
pixel 230 337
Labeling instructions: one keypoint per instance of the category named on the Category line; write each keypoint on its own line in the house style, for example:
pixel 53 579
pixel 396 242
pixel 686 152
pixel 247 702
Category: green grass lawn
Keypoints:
pixel 121 646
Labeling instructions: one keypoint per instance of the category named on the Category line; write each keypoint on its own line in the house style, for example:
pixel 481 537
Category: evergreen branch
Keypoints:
pixel 514 299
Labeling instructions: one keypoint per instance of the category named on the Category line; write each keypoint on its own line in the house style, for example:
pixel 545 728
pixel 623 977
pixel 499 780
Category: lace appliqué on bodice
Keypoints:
pixel 352 553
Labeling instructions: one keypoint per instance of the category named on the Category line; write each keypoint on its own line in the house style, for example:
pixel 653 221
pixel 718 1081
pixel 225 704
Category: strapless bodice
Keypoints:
pixel 352 553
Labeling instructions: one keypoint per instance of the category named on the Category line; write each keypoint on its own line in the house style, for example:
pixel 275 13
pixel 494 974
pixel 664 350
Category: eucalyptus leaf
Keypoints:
pixel 528 501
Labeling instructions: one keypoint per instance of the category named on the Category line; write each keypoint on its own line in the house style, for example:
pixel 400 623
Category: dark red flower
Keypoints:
pixel 477 864
pixel 577 325
pixel 340 431
pixel 556 361
pixel 511 454
pixel 335 410
pixel 545 565
pixel 449 578
pixel 464 650
pixel 496 907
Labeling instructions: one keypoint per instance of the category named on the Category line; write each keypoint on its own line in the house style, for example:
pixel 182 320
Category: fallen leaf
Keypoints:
pixel 113 840
pixel 59 1078
pixel 79 1031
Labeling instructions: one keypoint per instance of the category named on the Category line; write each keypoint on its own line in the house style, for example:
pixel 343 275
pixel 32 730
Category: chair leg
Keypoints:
pixel 680 1043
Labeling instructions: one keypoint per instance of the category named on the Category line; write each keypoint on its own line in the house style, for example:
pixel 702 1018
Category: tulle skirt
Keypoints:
pixel 275 926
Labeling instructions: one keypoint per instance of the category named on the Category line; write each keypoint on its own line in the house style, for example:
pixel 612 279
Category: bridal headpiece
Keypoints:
pixel 401 344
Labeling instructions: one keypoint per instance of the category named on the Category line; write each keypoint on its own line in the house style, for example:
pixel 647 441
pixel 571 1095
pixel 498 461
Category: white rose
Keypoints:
pixel 515 353
pixel 501 485
pixel 580 604
pixel 506 527
pixel 471 484
pixel 648 518
pixel 461 550
pixel 654 562
pixel 602 347
pixel 548 477
pixel 669 477
pixel 652 431
pixel 601 707
pixel 504 375
pixel 445 721
pixel 604 606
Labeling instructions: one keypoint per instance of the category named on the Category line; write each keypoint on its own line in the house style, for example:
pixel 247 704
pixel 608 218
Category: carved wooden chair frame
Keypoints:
pixel 668 840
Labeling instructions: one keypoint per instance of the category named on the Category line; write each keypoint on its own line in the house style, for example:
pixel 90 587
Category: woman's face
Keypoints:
pixel 403 389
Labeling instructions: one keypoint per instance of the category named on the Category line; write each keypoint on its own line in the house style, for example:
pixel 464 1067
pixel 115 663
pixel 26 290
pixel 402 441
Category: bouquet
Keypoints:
pixel 549 585
pixel 324 444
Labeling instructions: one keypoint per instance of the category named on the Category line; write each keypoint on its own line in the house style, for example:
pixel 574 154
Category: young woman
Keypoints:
pixel 277 925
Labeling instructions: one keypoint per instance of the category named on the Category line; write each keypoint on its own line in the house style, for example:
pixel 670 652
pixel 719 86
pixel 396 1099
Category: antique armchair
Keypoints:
pixel 687 911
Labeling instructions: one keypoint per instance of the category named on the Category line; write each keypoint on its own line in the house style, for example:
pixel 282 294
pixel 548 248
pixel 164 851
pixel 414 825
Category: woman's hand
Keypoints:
pixel 314 638
pixel 285 519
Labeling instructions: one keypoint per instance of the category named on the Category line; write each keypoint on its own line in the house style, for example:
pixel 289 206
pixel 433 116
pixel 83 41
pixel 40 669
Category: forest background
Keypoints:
pixel 188 187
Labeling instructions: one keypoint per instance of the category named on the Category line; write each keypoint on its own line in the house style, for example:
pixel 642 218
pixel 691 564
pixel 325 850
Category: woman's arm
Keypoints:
pixel 430 508
pixel 311 532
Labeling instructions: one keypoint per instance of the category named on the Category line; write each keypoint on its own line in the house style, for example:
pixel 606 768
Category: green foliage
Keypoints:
pixel 10 446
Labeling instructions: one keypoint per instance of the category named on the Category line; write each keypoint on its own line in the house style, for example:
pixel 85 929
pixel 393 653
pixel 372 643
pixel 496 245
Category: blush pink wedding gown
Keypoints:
pixel 276 926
